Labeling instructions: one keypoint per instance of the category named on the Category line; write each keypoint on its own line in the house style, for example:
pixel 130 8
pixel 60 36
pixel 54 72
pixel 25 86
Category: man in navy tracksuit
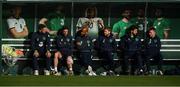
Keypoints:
pixel 107 46
pixel 40 42
pixel 131 46
pixel 153 46
pixel 64 50
pixel 84 48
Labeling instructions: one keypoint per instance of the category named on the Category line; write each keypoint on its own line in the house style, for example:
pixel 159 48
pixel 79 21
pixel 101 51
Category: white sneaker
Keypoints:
pixel 57 74
pixel 91 72
pixel 103 74
pixel 159 72
pixel 71 73
pixel 90 68
pixel 46 72
pixel 36 72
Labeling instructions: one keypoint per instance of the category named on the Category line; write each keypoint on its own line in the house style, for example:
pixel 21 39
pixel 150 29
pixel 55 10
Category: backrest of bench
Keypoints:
pixel 170 47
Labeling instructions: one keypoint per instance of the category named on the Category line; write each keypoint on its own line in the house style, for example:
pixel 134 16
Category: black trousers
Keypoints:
pixel 85 59
pixel 157 58
pixel 108 60
pixel 137 60
pixel 36 63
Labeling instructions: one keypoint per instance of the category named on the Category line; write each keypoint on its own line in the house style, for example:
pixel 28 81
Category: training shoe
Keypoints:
pixel 46 72
pixel 93 73
pixel 110 73
pixel 56 73
pixel 36 72
pixel 90 71
pixel 159 72
pixel 103 73
pixel 71 73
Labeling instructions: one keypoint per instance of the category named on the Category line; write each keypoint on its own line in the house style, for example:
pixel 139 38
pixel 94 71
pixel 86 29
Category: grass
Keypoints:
pixel 89 81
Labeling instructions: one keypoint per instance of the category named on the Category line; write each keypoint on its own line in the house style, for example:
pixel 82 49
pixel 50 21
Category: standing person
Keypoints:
pixel 17 25
pixel 54 21
pixel 162 25
pixel 131 45
pixel 107 47
pixel 93 22
pixel 40 42
pixel 84 48
pixel 141 20
pixel 120 27
pixel 64 50
pixel 153 46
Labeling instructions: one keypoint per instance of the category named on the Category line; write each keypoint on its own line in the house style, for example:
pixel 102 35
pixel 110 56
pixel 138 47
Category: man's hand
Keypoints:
pixel 93 40
pixel 48 54
pixel 36 53
pixel 78 43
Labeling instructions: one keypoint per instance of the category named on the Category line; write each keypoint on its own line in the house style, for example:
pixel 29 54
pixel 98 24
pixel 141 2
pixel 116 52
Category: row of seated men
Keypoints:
pixel 130 47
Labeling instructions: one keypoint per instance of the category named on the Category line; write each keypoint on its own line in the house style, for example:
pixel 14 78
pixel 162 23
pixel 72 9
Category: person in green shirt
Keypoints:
pixel 54 21
pixel 120 27
pixel 142 22
pixel 162 25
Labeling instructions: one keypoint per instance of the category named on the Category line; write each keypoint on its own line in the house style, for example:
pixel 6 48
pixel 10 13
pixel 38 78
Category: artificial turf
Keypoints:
pixel 89 81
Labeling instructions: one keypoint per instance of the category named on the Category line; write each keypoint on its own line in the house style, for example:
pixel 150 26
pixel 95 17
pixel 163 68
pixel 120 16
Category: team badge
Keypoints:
pixel 68 40
pixel 44 38
pixel 41 44
pixel 150 41
pixel 103 40
pixel 110 40
pixel 81 42
pixel 155 41
pixel 129 39
pixel 37 39
pixel 88 42
pixel 136 39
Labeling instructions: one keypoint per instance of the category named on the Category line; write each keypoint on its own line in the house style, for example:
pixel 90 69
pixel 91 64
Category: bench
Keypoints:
pixel 169 47
pixel 170 50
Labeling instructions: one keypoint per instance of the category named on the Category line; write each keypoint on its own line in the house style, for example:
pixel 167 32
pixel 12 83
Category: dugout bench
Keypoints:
pixel 170 52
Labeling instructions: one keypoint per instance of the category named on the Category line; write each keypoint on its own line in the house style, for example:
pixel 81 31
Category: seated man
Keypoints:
pixel 64 50
pixel 131 45
pixel 107 46
pixel 40 43
pixel 153 46
pixel 84 48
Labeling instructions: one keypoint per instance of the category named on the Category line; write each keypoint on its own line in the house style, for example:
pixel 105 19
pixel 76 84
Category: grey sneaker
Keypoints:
pixel 71 73
pixel 46 72
pixel 36 72
pixel 159 72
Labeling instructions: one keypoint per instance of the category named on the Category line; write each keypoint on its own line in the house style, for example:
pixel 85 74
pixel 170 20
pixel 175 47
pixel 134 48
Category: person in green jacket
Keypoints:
pixel 162 25
pixel 143 23
pixel 54 21
pixel 120 27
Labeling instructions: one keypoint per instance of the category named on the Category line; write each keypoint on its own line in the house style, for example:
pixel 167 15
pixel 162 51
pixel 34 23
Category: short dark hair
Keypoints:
pixel 41 26
pixel 151 28
pixel 132 27
pixel 108 28
pixel 61 30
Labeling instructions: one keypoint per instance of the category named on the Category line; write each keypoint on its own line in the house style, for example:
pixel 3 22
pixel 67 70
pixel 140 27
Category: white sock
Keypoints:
pixel 70 69
pixel 89 68
pixel 55 68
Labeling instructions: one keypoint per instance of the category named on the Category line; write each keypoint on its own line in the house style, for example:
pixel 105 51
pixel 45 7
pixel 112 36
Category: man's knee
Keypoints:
pixel 58 55
pixel 69 60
